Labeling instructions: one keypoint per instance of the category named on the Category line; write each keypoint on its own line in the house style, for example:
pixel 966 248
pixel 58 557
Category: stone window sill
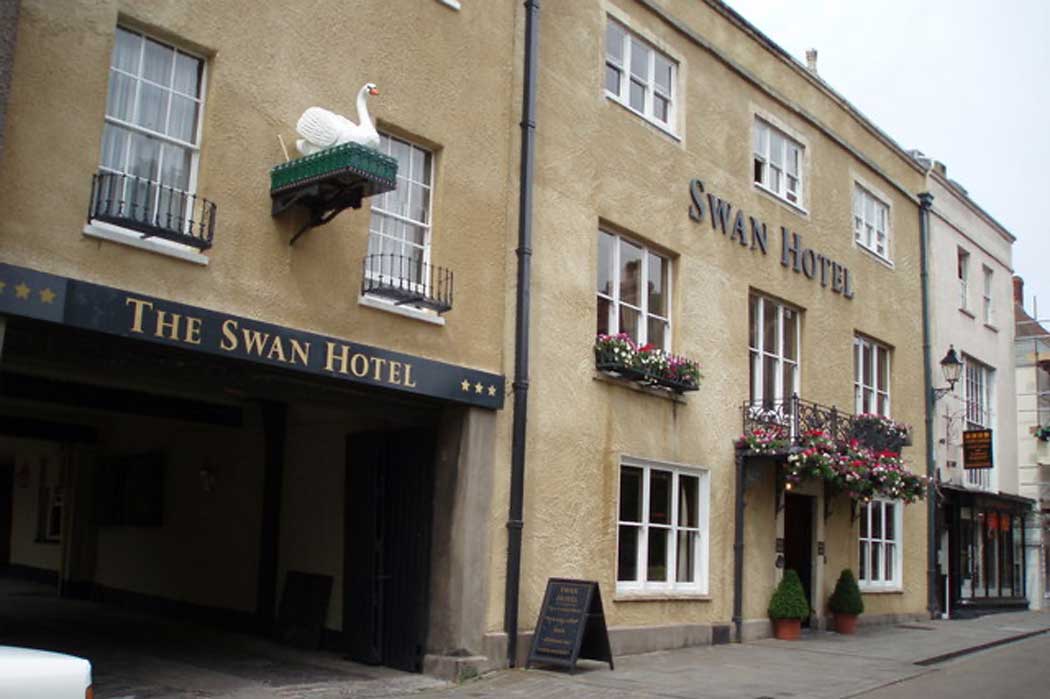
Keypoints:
pixel 404 311
pixel 123 236
pixel 632 386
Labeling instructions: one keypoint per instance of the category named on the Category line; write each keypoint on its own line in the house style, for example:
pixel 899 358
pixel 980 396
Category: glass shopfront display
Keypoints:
pixel 991 553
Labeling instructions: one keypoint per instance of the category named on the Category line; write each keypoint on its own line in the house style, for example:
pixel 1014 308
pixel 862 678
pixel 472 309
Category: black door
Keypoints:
pixel 386 563
pixel 798 540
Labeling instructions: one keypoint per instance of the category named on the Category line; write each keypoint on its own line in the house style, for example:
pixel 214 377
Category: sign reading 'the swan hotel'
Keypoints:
pixel 48 297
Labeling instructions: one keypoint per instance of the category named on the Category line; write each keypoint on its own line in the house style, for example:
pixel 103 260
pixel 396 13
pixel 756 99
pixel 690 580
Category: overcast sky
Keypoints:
pixel 965 81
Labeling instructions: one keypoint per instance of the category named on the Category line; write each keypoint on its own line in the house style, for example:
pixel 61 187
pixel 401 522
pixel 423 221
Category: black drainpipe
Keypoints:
pixel 521 332
pixel 925 203
pixel 738 550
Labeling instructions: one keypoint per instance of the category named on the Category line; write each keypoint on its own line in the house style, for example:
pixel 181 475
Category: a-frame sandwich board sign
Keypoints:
pixel 571 625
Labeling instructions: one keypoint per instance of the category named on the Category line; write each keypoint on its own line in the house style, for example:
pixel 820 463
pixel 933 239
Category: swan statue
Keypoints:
pixel 322 129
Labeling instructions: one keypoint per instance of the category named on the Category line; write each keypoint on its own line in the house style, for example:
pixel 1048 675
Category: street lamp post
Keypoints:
pixel 951 368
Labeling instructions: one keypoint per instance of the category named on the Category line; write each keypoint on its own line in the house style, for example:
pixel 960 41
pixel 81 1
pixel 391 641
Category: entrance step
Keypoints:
pixel 455 668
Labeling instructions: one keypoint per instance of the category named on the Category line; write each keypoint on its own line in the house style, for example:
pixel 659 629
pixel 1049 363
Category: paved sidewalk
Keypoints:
pixel 822 665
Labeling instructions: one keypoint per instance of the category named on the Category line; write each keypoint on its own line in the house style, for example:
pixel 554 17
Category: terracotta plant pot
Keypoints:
pixel 787 629
pixel 845 623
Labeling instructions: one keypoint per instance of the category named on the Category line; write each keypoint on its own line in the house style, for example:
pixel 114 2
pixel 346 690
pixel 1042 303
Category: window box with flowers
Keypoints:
pixel 846 466
pixel 620 356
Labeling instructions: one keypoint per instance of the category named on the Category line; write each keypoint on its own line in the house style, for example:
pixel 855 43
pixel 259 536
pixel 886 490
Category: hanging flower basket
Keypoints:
pixel 846 466
pixel 880 433
pixel 620 356
pixel 1043 433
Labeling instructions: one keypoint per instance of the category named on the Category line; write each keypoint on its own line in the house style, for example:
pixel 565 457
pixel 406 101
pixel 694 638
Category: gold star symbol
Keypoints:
pixel 477 388
pixel 492 390
pixel 3 285
pixel 465 385
pixel 22 291
pixel 47 296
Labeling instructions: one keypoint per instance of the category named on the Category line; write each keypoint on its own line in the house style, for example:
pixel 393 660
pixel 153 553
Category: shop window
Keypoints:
pixel 991 554
pixel 151 139
pixel 400 230
pixel 773 347
pixel 871 222
pixel 778 162
pixel 662 529
pixel 871 377
pixel 634 291
pixel 639 76
pixel 879 562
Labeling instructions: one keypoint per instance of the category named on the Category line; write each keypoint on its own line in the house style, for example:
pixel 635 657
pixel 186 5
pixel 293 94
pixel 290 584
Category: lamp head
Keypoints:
pixel 952 367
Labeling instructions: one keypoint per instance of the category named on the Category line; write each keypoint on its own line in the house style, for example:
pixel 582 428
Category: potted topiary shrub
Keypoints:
pixel 846 602
pixel 788 607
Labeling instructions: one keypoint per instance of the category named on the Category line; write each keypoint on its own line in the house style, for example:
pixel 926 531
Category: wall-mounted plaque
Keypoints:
pixel 977 449
pixel 571 625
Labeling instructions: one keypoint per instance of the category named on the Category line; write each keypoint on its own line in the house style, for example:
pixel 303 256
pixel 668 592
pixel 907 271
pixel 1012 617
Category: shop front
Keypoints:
pixel 985 534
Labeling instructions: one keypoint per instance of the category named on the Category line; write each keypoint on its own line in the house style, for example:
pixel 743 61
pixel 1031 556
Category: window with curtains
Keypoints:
pixel 152 125
pixel 871 377
pixel 773 346
pixel 634 291
pixel 399 230
pixel 778 162
pixel 662 538
pixel 879 563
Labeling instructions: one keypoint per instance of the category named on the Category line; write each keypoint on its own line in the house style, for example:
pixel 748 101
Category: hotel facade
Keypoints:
pixel 218 393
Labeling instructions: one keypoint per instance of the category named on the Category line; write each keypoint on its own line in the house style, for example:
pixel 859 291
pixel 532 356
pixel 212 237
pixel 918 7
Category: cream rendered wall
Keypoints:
pixel 40 458
pixel 955 224
pixel 599 164
pixel 445 81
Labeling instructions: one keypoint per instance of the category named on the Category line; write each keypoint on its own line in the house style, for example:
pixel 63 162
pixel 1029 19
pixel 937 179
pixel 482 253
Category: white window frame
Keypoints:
pixel 623 94
pixel 385 146
pixel 872 235
pixel 613 321
pixel 860 386
pixel 640 586
pixel 963 274
pixel 988 306
pixel 757 369
pixel 874 578
pixel 977 381
pixel 762 147
pixel 194 147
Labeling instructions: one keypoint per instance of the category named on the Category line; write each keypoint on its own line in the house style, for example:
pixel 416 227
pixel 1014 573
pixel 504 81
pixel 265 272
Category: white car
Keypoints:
pixel 26 673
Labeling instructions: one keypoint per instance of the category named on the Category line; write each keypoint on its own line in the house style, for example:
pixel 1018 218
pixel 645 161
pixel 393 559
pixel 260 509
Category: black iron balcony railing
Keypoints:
pixel 797 417
pixel 155 210
pixel 407 281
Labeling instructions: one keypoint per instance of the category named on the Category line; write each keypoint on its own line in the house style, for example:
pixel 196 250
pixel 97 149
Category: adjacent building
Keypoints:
pixel 981 517
pixel 1032 358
